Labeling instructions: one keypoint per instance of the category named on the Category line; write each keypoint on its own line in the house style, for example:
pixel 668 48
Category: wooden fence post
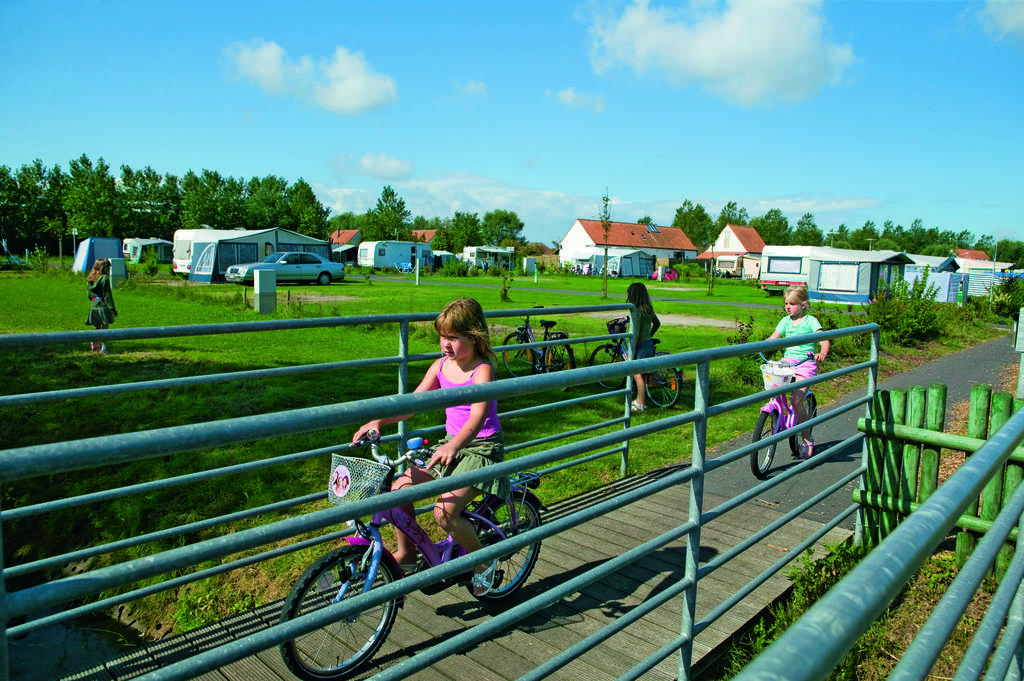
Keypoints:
pixel 993 494
pixel 935 420
pixel 892 460
pixel 875 456
pixel 977 427
pixel 912 450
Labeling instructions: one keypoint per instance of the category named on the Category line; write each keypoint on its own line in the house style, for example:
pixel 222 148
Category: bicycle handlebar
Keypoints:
pixel 416 445
pixel 808 358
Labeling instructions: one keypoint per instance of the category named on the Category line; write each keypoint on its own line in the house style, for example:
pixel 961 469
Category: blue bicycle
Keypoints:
pixel 664 386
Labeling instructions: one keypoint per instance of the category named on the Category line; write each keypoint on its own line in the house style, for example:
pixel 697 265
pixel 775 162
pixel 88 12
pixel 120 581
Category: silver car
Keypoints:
pixel 300 268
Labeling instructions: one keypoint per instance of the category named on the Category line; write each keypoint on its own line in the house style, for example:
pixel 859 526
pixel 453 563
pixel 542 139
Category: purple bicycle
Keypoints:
pixel 777 415
pixel 342 648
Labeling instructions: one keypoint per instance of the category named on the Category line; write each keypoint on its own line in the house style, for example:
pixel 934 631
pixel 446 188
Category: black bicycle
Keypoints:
pixel 664 386
pixel 528 361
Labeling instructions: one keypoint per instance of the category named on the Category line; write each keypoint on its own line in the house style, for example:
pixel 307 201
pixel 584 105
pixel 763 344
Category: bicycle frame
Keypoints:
pixel 433 553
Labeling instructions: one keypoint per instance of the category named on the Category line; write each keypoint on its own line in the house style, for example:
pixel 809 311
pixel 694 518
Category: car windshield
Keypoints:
pixel 273 257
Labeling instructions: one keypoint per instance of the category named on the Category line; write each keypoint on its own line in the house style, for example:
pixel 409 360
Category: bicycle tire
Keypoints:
pixel 761 459
pixel 664 386
pixel 515 568
pixel 812 411
pixel 518 361
pixel 607 354
pixel 341 649
pixel 558 357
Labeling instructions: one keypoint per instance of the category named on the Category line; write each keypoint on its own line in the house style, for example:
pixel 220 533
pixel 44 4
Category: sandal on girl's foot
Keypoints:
pixel 483 582
pixel 635 406
pixel 806 450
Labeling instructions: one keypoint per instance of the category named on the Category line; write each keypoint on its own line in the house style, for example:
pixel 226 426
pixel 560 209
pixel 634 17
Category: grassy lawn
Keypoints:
pixel 57 302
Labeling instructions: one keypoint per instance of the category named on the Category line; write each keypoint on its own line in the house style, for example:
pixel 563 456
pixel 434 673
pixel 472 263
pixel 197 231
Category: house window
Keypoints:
pixel 838 276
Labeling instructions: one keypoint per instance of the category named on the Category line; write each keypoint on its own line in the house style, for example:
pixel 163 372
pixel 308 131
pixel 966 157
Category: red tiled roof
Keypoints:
pixel 749 238
pixel 343 236
pixel 635 235
pixel 424 235
pixel 971 254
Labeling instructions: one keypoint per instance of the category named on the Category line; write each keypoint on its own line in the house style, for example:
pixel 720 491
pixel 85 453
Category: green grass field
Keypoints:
pixel 57 302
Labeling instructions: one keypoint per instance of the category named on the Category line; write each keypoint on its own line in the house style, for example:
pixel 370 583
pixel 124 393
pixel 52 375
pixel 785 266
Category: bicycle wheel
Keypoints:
pixel 340 649
pixel 558 357
pixel 812 411
pixel 516 567
pixel 607 354
pixel 664 386
pixel 518 361
pixel 761 459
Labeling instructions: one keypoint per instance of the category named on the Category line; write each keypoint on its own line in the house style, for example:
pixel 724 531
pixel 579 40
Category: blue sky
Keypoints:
pixel 852 111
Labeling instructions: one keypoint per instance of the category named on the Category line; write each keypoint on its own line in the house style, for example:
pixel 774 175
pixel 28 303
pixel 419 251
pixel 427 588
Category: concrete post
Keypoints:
pixel 264 299
pixel 118 272
pixel 1019 347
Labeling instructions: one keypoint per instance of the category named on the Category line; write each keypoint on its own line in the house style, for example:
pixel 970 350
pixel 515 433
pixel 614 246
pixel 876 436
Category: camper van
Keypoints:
pixel 185 239
pixel 784 266
pixel 134 248
pixel 395 254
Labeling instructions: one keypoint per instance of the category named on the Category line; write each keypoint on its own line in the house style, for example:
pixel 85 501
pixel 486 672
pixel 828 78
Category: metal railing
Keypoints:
pixel 600 439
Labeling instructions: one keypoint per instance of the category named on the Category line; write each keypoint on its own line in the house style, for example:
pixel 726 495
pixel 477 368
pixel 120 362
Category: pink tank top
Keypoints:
pixel 456 417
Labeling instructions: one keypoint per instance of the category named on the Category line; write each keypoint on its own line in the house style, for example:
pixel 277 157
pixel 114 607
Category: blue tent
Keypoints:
pixel 94 247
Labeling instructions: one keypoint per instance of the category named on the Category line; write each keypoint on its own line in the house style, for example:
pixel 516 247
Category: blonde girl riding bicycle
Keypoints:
pixel 798 323
pixel 473 439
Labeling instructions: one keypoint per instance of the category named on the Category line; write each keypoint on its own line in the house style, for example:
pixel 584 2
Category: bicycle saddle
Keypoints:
pixel 547 323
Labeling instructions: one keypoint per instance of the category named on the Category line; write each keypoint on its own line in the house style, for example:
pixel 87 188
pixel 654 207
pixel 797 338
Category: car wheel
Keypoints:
pixel 324 279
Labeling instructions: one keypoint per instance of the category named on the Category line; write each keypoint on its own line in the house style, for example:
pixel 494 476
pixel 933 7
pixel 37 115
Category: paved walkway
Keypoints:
pixel 427 620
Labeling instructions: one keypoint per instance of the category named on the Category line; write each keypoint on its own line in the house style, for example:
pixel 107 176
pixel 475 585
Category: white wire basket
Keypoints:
pixel 354 479
pixel 777 373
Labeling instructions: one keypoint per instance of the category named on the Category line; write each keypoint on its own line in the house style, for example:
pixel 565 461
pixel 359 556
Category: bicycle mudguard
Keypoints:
pixel 772 406
pixel 385 557
pixel 558 335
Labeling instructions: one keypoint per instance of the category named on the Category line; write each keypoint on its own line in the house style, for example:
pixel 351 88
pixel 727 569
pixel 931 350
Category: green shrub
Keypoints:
pixel 1008 298
pixel 454 268
pixel 39 261
pixel 907 313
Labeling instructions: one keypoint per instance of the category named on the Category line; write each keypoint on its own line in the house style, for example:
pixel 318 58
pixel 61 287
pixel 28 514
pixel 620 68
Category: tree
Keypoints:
pixel 389 220
pixel 499 226
pixel 695 223
pixel 464 231
pixel 862 238
pixel 209 199
pixel 773 227
pixel 807 232
pixel 308 215
pixel 731 214
pixel 91 200
pixel 266 204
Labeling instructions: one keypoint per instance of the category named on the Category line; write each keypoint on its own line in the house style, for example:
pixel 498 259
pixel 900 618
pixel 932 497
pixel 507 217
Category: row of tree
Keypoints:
pixel 40 205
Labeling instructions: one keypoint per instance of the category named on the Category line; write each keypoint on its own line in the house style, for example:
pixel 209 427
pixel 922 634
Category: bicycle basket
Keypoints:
pixel 354 479
pixel 617 325
pixel 777 373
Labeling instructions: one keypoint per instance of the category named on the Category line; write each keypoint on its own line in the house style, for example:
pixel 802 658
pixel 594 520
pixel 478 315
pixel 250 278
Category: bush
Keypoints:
pixel 454 268
pixel 39 261
pixel 907 313
pixel 1008 298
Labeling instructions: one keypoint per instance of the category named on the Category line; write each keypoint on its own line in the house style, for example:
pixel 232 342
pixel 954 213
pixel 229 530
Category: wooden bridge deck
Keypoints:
pixel 427 620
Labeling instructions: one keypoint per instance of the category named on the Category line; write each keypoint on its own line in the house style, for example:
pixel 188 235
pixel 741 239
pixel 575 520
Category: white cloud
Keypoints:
pixel 384 167
pixel 1004 17
pixel 473 88
pixel 345 84
pixel 746 51
pixel 578 100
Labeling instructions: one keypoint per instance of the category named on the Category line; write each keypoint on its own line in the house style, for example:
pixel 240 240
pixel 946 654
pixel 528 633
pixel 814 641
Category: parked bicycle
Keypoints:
pixel 778 414
pixel 664 386
pixel 528 361
pixel 342 648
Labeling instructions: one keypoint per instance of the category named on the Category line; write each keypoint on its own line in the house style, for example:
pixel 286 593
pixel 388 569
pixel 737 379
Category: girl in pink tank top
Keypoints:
pixel 473 439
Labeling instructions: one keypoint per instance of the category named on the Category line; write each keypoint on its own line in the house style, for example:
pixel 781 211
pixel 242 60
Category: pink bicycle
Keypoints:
pixel 343 647
pixel 777 415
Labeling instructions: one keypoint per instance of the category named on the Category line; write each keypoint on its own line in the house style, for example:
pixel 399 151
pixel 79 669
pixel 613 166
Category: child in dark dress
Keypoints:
pixel 102 311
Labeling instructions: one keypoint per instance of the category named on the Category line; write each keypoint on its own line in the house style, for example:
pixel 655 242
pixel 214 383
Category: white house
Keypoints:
pixel 736 252
pixel 586 239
